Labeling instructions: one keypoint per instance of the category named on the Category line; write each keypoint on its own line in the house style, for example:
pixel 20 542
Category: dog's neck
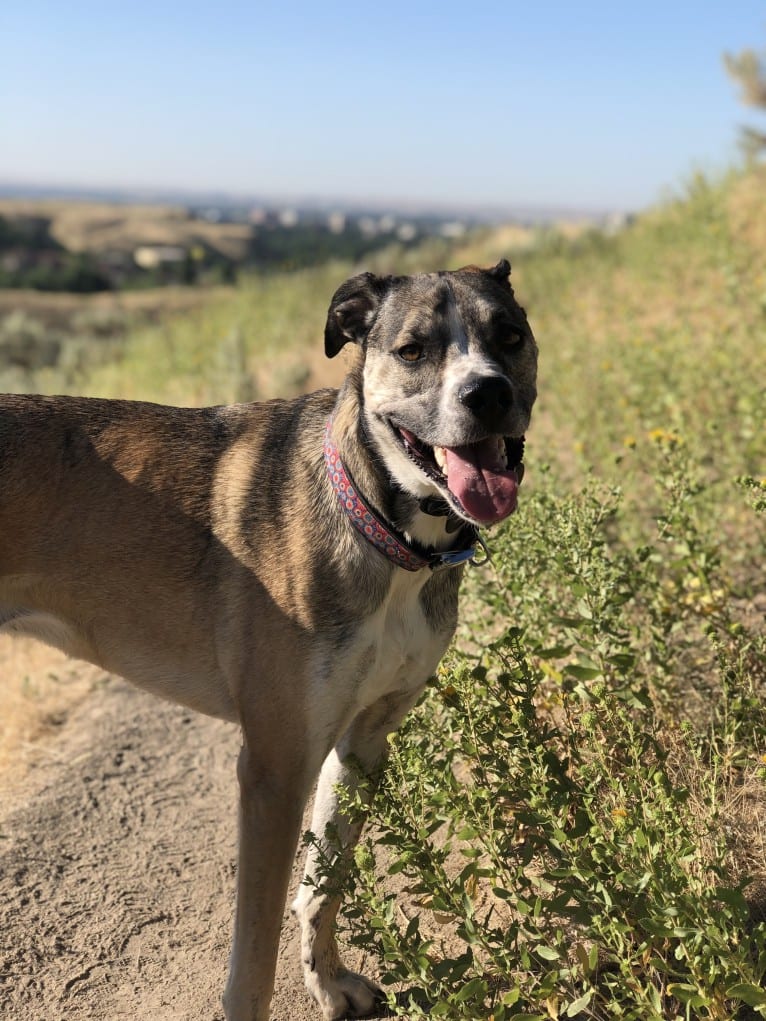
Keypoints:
pixel 399 508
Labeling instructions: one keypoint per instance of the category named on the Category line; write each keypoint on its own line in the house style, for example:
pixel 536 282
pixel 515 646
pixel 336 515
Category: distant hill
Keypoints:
pixel 58 244
pixel 103 226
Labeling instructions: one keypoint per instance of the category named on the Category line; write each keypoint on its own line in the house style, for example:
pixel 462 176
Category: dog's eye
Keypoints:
pixel 507 331
pixel 411 352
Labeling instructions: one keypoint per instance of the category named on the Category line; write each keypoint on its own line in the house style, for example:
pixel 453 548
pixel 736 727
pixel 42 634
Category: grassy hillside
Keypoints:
pixel 651 339
pixel 578 810
pixel 604 852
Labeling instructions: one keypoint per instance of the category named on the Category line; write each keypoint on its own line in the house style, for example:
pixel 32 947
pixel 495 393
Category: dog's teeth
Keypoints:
pixel 441 458
pixel 502 452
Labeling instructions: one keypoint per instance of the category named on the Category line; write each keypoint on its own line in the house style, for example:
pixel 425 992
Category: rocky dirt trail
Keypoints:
pixel 117 856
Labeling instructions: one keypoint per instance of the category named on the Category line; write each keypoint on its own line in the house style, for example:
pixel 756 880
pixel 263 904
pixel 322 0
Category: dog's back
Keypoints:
pixel 127 526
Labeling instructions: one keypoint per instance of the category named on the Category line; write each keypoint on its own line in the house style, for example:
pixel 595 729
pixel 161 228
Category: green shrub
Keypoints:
pixel 559 816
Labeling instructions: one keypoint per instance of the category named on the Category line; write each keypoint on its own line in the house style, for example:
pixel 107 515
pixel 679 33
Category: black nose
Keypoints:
pixel 488 397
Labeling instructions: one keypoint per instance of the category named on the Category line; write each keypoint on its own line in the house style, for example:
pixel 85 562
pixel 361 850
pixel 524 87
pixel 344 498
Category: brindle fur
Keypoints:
pixel 203 555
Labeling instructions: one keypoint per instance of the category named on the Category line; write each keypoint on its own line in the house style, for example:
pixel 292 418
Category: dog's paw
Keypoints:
pixel 345 995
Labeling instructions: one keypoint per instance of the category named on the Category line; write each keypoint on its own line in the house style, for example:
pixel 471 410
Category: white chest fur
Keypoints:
pixel 394 651
pixel 399 649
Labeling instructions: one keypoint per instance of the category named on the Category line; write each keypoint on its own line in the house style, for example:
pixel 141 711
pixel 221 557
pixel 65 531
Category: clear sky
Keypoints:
pixel 593 104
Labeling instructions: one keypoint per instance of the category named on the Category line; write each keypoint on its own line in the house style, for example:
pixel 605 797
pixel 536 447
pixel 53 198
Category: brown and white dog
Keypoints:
pixel 290 566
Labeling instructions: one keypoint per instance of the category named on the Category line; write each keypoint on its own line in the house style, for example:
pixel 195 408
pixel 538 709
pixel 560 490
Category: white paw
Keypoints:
pixel 344 995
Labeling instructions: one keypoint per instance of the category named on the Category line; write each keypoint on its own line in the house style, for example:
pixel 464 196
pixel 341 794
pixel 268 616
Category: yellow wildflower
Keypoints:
pixel 665 437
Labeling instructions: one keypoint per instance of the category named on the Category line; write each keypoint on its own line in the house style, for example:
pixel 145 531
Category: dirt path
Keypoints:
pixel 117 871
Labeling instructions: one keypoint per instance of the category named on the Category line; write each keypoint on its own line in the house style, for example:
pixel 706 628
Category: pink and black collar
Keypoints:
pixel 382 535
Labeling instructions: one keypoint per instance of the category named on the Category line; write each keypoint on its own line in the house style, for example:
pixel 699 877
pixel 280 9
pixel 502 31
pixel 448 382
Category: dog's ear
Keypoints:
pixel 501 273
pixel 352 311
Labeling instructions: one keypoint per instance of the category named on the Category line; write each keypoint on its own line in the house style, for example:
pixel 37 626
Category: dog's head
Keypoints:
pixel 448 381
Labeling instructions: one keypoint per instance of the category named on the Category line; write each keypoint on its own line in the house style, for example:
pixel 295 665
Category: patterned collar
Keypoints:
pixel 383 536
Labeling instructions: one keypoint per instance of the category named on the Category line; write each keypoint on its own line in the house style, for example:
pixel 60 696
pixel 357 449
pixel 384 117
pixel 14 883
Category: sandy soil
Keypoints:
pixel 117 853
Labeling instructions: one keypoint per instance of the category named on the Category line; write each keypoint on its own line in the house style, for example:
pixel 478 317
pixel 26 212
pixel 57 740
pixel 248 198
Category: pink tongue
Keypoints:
pixel 485 489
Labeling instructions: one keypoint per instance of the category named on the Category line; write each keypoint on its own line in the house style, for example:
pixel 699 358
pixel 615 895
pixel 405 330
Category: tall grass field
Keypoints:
pixel 573 820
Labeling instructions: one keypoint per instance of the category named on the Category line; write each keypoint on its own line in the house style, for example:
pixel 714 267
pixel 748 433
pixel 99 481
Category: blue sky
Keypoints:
pixel 593 105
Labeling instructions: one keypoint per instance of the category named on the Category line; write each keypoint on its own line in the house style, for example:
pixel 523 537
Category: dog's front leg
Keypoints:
pixel 271 808
pixel 338 991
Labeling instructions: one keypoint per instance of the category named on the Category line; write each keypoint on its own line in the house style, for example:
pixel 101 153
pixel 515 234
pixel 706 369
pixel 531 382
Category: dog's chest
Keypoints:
pixel 397 647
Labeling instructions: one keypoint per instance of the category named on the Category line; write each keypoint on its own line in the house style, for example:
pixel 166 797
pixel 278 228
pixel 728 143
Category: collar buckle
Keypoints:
pixel 456 558
pixel 452 558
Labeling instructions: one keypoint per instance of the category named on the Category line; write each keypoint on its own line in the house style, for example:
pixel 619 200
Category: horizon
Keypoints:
pixel 15 191
pixel 597 110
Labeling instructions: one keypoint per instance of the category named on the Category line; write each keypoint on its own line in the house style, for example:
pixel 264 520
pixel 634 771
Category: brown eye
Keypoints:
pixel 507 333
pixel 411 352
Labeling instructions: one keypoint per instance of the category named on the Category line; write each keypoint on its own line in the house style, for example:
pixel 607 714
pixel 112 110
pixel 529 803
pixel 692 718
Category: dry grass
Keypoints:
pixel 55 307
pixel 745 208
pixel 96 226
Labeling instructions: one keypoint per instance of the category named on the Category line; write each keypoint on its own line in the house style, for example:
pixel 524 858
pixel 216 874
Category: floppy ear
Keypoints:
pixel 352 311
pixel 501 273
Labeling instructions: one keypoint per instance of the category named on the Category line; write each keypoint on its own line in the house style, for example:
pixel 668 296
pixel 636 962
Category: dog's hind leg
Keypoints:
pixel 272 800
pixel 360 752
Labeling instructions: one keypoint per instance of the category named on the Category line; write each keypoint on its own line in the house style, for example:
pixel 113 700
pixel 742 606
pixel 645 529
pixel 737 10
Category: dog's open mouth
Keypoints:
pixel 482 479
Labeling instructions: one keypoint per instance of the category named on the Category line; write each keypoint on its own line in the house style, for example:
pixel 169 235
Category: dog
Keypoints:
pixel 291 566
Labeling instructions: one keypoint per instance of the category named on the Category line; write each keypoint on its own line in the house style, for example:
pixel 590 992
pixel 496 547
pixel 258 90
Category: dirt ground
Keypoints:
pixel 117 851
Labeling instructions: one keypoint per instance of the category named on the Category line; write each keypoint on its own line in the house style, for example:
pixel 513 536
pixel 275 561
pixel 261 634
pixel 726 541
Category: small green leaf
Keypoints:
pixel 752 995
pixel 581 673
pixel 554 652
pixel 475 989
pixel 508 999
pixel 547 953
pixel 687 994
pixel 568 621
pixel 579 1004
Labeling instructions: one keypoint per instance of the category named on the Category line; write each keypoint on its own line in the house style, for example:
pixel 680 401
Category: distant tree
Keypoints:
pixel 82 275
pixel 748 69
pixel 189 270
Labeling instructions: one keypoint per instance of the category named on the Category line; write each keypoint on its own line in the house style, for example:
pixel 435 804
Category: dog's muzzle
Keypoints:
pixel 478 480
